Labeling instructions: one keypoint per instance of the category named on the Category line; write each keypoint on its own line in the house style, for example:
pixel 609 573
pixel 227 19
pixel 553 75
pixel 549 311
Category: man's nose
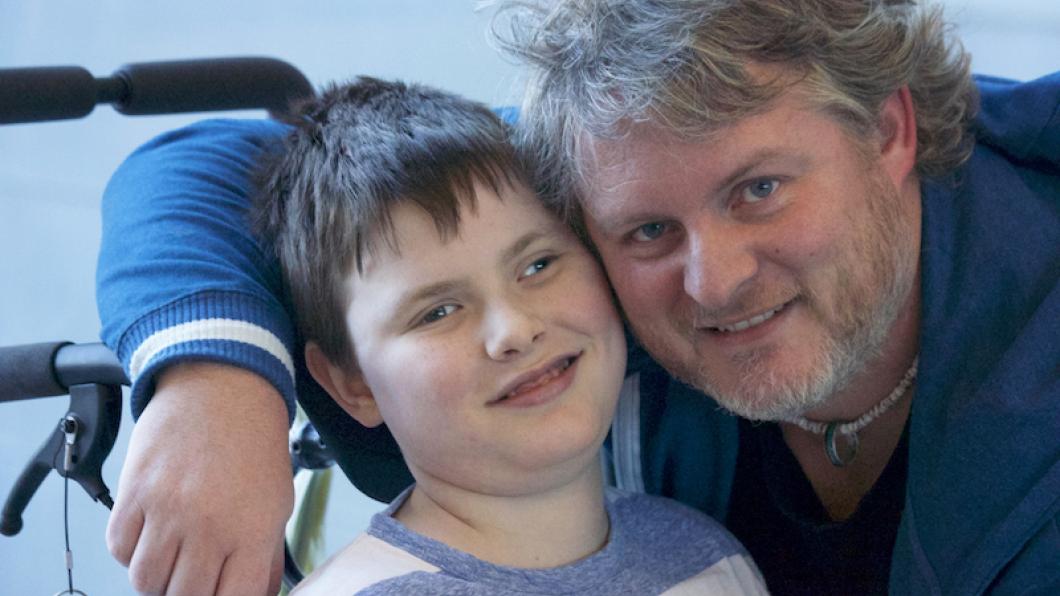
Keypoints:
pixel 512 328
pixel 718 263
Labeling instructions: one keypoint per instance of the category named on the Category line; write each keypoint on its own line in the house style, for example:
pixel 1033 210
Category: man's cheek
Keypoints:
pixel 644 288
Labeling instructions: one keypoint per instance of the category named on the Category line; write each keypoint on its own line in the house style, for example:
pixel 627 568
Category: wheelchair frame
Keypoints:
pixel 91 374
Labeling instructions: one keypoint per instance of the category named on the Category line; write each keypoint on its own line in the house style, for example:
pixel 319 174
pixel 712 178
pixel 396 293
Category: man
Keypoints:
pixel 755 177
pixel 800 219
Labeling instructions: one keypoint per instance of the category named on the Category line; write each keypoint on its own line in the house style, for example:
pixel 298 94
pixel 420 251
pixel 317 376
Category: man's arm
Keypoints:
pixel 205 489
pixel 190 303
pixel 180 276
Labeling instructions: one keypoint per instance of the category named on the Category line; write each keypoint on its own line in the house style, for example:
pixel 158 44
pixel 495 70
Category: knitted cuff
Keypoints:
pixel 225 327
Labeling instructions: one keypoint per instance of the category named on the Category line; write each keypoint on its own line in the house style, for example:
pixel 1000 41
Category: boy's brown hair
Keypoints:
pixel 324 199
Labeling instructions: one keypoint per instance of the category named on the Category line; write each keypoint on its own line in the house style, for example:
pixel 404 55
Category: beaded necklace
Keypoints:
pixel 850 428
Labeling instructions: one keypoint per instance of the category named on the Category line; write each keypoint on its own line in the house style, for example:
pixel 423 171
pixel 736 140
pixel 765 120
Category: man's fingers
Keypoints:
pixel 246 572
pixel 197 569
pixel 123 530
pixel 152 561
pixel 193 507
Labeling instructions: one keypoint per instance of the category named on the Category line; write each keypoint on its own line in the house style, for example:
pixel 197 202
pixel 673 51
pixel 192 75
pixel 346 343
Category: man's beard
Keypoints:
pixel 872 282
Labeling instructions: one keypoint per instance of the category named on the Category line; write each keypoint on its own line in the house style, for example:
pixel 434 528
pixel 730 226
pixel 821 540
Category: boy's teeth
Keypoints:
pixel 753 321
pixel 545 378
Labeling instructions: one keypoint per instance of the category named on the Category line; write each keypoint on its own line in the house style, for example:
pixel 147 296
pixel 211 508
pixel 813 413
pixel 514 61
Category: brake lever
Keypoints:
pixel 76 449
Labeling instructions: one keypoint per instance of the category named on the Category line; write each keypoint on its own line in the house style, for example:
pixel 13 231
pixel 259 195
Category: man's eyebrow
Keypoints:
pixel 750 162
pixel 609 221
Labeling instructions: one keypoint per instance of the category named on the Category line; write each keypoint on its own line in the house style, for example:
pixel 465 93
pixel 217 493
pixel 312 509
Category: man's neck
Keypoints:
pixel 881 374
pixel 841 489
pixel 547 528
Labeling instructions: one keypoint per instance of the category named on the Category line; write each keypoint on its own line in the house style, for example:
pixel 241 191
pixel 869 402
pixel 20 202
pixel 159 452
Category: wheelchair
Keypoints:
pixel 90 374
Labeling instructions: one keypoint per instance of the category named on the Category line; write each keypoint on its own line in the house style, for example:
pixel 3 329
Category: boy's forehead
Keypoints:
pixel 404 226
pixel 495 221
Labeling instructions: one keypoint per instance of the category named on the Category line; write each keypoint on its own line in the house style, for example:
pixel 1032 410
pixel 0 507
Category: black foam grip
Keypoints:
pixel 88 363
pixel 28 371
pixel 210 85
pixel 45 93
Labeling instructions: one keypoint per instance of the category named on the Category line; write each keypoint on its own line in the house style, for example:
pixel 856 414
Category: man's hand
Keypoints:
pixel 206 486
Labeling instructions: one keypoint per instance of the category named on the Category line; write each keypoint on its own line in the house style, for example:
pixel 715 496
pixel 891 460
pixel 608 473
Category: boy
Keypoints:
pixel 437 294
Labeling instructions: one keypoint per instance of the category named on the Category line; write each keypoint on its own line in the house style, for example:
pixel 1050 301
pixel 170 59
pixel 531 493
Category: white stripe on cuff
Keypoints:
pixel 209 329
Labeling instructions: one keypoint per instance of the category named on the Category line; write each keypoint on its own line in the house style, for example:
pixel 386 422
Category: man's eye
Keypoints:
pixel 439 312
pixel 537 267
pixel 649 232
pixel 759 189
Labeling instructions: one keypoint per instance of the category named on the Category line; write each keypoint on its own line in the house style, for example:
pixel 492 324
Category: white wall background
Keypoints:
pixel 52 175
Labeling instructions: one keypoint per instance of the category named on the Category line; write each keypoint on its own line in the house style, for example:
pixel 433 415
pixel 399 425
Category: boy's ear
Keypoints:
pixel 345 385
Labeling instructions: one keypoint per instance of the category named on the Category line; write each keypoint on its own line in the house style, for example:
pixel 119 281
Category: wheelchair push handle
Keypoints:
pixel 211 85
pixel 51 368
pixel 63 92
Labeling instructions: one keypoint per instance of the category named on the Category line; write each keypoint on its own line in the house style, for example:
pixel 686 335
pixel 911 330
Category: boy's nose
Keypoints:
pixel 511 330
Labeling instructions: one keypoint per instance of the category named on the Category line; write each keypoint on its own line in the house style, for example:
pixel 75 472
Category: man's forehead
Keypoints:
pixel 608 163
pixel 645 161
pixel 648 158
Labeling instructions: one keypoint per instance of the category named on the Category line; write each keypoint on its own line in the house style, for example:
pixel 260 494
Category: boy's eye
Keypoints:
pixel 439 312
pixel 536 267
pixel 759 189
pixel 649 231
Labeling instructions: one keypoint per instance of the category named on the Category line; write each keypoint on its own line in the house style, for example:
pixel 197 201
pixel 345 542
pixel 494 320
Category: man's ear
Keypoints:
pixel 345 385
pixel 898 137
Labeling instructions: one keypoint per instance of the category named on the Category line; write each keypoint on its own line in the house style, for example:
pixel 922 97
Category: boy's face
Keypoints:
pixel 495 357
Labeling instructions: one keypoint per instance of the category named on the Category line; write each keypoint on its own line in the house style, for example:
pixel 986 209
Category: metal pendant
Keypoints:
pixel 831 449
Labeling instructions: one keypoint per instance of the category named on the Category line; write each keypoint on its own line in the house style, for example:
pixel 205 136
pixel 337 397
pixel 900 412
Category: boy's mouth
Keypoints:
pixel 540 377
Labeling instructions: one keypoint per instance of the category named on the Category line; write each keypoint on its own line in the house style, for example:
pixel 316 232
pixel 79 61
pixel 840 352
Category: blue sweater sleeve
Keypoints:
pixel 180 276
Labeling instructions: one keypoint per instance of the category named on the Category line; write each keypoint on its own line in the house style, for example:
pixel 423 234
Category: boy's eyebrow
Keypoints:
pixel 517 247
pixel 426 292
pixel 453 286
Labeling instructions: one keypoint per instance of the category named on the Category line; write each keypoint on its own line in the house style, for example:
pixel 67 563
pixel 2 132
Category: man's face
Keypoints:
pixel 765 265
pixel 495 356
